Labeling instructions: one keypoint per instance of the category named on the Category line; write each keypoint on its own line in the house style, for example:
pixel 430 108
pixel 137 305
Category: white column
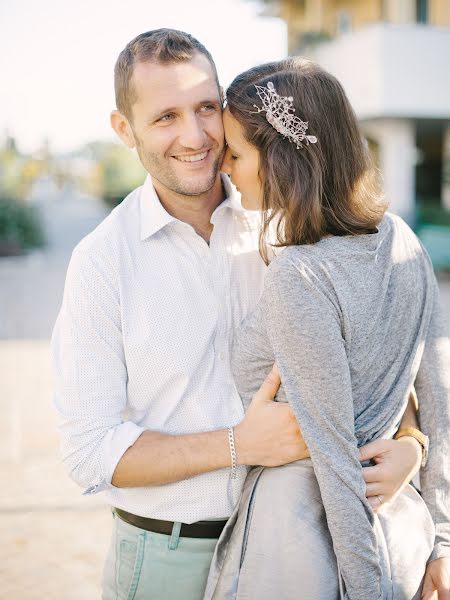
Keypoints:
pixel 400 11
pixel 446 169
pixel 397 152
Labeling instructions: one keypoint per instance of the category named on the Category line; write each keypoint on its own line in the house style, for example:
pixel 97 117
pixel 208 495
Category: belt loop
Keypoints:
pixel 175 537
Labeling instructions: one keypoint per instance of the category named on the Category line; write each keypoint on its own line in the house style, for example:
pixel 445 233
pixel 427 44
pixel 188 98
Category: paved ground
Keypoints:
pixel 53 541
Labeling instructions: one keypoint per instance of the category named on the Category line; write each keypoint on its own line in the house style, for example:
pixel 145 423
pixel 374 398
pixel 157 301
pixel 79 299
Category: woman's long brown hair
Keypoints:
pixel 322 189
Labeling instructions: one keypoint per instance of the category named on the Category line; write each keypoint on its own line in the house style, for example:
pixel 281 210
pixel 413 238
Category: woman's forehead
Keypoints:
pixel 233 129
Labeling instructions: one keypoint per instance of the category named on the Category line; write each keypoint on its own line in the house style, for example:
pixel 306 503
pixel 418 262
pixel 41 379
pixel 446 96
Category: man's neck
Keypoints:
pixel 194 210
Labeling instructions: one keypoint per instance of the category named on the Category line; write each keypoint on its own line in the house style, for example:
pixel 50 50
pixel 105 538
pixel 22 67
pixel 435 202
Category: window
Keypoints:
pixel 422 11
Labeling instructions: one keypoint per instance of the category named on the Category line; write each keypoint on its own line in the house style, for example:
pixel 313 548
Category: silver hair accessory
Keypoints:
pixel 280 114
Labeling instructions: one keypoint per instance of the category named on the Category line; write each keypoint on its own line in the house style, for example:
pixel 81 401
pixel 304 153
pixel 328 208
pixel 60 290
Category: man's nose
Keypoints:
pixel 226 162
pixel 193 135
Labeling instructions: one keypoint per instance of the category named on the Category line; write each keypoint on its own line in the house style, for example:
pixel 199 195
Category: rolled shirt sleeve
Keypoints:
pixel 304 329
pixel 90 374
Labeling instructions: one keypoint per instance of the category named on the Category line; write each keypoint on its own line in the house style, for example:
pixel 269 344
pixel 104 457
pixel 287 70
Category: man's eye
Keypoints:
pixel 208 108
pixel 233 157
pixel 167 118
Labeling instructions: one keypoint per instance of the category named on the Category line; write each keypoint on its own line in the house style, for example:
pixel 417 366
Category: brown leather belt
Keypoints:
pixel 200 529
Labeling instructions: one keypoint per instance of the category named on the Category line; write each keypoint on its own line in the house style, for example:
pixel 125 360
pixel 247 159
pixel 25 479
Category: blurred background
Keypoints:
pixel 62 170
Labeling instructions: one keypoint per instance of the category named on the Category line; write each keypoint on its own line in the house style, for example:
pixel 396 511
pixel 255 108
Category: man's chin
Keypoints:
pixel 197 186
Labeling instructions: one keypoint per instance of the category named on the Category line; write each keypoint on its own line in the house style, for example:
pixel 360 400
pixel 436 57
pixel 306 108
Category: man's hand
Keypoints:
pixel 397 461
pixel 269 434
pixel 436 584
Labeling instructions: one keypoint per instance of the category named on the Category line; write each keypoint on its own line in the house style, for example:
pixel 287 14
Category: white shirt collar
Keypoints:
pixel 154 216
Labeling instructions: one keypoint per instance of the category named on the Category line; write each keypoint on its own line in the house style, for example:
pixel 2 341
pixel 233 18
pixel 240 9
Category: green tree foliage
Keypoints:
pixel 118 171
pixel 20 227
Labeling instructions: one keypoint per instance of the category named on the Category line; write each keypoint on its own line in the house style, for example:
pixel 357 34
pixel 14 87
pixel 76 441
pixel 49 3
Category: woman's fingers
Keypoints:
pixel 372 489
pixel 436 583
pixel 377 484
pixel 375 503
pixel 373 450
pixel 430 595
pixel 371 474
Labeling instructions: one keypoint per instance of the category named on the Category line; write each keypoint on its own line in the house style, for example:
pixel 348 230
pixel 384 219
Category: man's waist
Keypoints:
pixel 205 497
pixel 200 529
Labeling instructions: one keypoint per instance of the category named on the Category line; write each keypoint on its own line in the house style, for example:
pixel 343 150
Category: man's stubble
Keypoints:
pixel 160 170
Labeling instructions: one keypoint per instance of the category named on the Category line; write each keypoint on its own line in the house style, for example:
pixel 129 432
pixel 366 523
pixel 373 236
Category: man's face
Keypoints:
pixel 177 124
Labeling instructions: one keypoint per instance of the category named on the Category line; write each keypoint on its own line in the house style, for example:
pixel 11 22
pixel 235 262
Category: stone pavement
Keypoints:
pixel 53 540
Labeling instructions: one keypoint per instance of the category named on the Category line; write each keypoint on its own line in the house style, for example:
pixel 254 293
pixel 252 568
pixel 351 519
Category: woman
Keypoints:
pixel 350 315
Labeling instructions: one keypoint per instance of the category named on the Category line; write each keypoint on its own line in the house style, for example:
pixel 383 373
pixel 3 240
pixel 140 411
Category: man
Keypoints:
pixel 150 413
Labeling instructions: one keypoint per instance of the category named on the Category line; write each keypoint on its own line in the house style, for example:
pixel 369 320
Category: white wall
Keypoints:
pixel 396 139
pixel 392 70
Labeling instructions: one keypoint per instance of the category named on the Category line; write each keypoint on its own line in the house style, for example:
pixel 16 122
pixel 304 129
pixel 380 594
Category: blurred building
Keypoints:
pixel 392 56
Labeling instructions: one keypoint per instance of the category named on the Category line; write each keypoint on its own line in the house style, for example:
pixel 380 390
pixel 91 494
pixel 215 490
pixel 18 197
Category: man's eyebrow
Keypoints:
pixel 215 101
pixel 162 112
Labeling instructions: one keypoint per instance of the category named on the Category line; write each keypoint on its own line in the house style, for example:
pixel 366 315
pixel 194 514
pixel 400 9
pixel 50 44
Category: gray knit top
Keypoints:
pixel 352 323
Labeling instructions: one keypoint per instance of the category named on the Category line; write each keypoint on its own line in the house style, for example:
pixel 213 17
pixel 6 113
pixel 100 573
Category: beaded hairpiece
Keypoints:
pixel 280 114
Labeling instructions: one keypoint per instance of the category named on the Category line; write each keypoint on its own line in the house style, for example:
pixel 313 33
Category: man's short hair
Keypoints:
pixel 159 45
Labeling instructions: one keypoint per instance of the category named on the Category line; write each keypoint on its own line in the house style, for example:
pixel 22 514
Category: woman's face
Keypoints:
pixel 241 162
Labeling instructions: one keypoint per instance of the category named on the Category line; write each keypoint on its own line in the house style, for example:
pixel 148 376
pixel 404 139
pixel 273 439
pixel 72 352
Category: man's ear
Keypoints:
pixel 123 129
pixel 222 95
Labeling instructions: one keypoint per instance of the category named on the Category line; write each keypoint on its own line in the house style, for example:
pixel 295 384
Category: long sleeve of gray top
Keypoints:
pixel 310 352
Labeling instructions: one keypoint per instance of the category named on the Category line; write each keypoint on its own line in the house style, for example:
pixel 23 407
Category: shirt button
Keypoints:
pixel 222 355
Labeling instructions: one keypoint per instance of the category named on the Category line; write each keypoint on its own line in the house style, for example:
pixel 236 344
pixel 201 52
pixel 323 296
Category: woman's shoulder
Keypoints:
pixel 302 260
pixel 396 227
pixel 323 264
pixel 290 262
pixel 404 245
pixel 392 230
pixel 302 270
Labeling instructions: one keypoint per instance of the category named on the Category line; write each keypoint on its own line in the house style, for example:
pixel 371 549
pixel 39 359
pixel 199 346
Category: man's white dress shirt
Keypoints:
pixel 143 340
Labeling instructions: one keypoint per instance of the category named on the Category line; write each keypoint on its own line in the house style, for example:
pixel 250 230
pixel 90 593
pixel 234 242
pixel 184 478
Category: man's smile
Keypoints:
pixel 199 157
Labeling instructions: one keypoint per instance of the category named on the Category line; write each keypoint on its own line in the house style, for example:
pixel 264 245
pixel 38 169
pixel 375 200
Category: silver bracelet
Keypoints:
pixel 233 472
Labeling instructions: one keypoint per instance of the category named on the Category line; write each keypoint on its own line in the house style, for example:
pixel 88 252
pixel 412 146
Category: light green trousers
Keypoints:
pixel 142 565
